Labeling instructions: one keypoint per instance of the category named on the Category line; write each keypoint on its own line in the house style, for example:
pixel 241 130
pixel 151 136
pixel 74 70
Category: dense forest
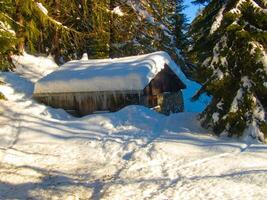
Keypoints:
pixel 108 28
pixel 224 48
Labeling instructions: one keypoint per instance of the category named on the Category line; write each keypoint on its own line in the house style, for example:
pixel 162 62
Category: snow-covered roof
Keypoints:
pixel 119 74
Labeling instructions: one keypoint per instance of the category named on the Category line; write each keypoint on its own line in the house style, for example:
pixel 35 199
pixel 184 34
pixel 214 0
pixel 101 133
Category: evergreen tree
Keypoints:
pixel 181 37
pixel 7 34
pixel 7 37
pixel 69 42
pixel 99 45
pixel 90 19
pixel 140 27
pixel 107 28
pixel 124 28
pixel 180 25
pixel 38 27
pixel 229 49
pixel 113 28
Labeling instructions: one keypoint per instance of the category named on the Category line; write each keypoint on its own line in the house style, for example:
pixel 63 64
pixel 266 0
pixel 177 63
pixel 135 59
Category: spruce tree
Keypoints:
pixel 120 28
pixel 90 19
pixel 181 38
pixel 99 46
pixel 180 25
pixel 146 26
pixel 7 34
pixel 229 49
pixel 71 42
pixel 7 37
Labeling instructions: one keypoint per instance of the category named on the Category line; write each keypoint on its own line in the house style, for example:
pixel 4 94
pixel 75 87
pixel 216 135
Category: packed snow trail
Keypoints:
pixel 132 154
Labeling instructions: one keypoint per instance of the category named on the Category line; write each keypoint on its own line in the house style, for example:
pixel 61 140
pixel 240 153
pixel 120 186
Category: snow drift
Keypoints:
pixel 33 67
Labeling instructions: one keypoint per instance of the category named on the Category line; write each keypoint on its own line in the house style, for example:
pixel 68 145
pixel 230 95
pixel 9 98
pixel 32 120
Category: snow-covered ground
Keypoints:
pixel 132 154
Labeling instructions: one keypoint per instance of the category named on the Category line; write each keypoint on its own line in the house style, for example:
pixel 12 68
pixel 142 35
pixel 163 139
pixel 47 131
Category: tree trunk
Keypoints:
pixel 111 28
pixel 56 38
pixel 20 32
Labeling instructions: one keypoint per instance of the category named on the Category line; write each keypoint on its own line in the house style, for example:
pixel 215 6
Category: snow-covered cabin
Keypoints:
pixel 89 86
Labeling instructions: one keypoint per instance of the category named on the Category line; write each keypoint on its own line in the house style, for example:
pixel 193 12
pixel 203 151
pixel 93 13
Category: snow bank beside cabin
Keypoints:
pixel 33 67
pixel 119 74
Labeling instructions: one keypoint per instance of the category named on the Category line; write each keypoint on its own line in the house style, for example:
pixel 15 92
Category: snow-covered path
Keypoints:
pixel 132 154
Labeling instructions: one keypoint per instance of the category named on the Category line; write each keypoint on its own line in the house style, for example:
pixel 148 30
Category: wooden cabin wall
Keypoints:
pixel 65 101
pixel 87 103
pixel 165 81
pixel 81 104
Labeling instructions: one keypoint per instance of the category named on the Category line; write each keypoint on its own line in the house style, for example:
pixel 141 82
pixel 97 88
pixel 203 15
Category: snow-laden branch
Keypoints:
pixel 218 20
pixel 42 8
pixel 44 11
pixel 150 19
pixel 236 9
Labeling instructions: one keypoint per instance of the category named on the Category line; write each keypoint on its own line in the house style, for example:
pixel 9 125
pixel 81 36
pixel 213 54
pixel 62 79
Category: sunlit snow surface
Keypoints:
pixel 33 67
pixel 132 154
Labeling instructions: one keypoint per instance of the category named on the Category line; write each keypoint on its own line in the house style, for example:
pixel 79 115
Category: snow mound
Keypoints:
pixel 33 67
pixel 119 74
pixel 137 116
